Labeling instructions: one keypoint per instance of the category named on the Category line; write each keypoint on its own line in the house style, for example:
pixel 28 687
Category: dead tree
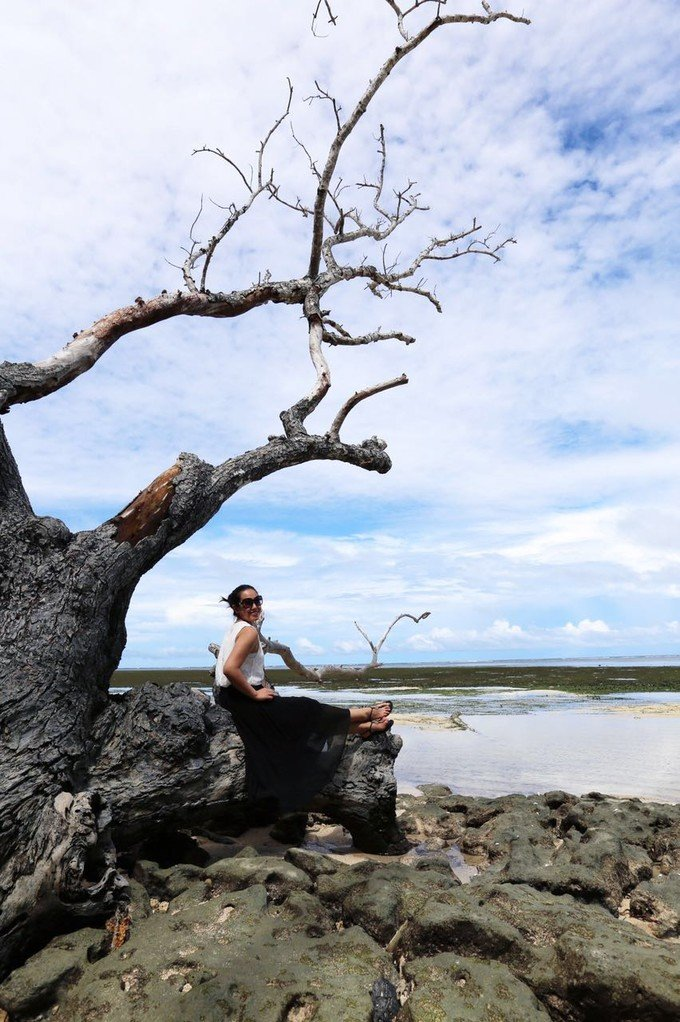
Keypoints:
pixel 346 672
pixel 77 770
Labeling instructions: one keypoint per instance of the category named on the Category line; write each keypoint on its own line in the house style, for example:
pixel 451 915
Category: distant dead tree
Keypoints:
pixel 80 772
pixel 336 672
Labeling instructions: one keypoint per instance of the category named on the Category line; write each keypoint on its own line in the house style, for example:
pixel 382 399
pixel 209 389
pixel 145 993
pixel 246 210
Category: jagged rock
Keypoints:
pixel 380 898
pixel 435 861
pixel 664 847
pixel 302 912
pixel 232 956
pixel 434 790
pixel 165 884
pixel 246 852
pixel 423 819
pixel 278 877
pixel 580 962
pixel 28 991
pixel 658 902
pixel 463 925
pixel 305 937
pixel 314 864
pixel 447 986
pixel 601 868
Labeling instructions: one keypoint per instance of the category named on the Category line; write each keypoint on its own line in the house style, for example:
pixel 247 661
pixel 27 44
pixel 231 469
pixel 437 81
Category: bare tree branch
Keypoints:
pixel 183 498
pixel 371 89
pixel 387 222
pixel 388 279
pixel 332 18
pixel 28 381
pixel 262 183
pixel 339 336
pixel 186 273
pixel 361 395
pixel 322 93
pixel 377 647
pixel 293 418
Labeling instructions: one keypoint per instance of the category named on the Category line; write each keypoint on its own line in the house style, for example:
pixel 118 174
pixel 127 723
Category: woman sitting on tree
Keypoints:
pixel 293 744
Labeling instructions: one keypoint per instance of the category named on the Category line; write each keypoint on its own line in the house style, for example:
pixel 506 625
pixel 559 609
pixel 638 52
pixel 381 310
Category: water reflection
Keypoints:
pixel 527 753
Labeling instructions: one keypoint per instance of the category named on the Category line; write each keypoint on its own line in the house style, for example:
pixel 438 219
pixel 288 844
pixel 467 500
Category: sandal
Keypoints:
pixel 377 731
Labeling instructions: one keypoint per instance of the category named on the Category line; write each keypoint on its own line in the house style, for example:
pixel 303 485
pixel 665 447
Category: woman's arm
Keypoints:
pixel 246 643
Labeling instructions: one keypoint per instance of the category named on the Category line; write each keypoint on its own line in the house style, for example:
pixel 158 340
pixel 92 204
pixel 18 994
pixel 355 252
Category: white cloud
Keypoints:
pixel 307 646
pixel 586 628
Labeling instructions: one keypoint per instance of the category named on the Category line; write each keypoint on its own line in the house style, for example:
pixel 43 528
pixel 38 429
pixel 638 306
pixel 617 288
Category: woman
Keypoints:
pixel 293 744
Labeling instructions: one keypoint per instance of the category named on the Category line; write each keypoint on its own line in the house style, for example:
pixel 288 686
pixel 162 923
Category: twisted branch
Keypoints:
pixel 379 645
pixel 388 279
pixel 294 417
pixel 361 395
pixel 339 336
pixel 346 128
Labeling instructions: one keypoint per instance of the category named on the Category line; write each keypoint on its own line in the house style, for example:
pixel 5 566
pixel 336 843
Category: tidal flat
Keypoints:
pixel 526 728
pixel 587 680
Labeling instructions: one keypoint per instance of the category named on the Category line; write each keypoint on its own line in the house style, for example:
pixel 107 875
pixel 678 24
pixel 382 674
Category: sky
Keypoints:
pixel 533 506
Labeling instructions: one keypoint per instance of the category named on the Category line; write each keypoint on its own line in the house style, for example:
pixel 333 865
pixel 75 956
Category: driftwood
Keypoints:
pixel 328 672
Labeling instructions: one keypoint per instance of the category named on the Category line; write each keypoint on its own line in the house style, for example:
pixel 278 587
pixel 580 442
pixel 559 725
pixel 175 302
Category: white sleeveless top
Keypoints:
pixel 253 665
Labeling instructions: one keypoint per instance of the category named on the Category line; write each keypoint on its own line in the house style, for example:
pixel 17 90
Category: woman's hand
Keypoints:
pixel 262 694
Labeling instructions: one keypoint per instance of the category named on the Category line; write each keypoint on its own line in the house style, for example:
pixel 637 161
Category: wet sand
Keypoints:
pixel 644 710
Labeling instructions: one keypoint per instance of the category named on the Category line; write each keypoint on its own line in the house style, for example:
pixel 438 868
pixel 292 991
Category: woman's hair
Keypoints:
pixel 234 597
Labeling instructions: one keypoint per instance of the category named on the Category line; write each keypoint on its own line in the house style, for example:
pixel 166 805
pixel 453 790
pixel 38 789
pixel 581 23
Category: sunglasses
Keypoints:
pixel 250 602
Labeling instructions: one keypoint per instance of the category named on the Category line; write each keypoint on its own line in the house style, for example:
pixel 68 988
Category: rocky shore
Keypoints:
pixel 573 915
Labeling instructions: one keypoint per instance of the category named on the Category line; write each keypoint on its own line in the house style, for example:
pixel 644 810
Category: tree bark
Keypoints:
pixel 83 774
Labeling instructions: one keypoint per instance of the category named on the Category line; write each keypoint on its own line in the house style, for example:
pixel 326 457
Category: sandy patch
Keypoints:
pixel 641 710
pixel 427 722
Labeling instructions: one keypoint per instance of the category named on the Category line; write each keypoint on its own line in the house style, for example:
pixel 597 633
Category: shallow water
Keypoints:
pixel 534 753
pixel 531 741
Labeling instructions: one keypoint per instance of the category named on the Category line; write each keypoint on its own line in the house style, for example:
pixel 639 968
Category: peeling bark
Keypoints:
pixel 143 516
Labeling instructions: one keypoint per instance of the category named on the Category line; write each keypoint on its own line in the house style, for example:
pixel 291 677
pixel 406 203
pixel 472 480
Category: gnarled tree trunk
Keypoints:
pixel 83 773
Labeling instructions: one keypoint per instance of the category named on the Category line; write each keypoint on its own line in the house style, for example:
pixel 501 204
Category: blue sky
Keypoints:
pixel 533 502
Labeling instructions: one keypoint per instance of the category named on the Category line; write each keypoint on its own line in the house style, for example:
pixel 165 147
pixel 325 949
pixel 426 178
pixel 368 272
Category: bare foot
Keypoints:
pixel 372 727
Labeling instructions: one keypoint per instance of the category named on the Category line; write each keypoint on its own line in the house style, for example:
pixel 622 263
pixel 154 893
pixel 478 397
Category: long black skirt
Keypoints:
pixel 293 745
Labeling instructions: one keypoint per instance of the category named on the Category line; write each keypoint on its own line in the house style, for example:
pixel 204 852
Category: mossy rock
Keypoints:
pixel 447 986
pixel 234 954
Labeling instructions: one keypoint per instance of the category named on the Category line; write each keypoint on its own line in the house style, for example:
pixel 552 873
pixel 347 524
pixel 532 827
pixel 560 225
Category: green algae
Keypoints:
pixel 593 680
